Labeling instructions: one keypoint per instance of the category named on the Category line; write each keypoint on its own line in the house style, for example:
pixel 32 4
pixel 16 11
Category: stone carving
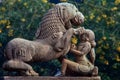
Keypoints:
pixel 82 65
pixel 52 39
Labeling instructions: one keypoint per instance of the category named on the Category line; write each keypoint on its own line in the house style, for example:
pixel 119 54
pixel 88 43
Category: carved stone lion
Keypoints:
pixel 52 40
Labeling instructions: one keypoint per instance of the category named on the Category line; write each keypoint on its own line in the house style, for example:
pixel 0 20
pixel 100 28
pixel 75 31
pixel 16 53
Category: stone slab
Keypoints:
pixel 47 78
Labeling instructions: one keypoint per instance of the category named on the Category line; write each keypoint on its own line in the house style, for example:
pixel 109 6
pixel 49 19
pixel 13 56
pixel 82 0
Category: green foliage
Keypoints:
pixel 20 18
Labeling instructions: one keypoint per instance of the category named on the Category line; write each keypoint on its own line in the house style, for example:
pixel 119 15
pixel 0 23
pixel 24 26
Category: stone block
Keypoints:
pixel 47 78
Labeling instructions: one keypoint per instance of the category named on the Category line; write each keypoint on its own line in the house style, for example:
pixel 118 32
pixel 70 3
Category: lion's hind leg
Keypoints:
pixel 19 66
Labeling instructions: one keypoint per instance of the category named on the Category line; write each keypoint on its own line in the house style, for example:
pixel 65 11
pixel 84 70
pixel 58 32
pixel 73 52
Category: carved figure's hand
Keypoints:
pixel 73 46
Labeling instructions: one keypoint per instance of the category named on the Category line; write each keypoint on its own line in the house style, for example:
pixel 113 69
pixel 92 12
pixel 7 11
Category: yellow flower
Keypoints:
pixel 104 16
pixel 98 19
pixel 45 1
pixel 98 50
pixel 3 21
pixel 74 40
pixel 117 2
pixel 10 33
pixel 8 22
pixel 100 41
pixel 3 9
pixel 104 38
pixel 101 57
pixel 118 48
pixel 0 30
pixel 11 2
pixel 8 26
pixel 92 16
pixel 19 0
pixel 103 2
pixel 106 46
pixel 0 44
pixel 23 19
pixel 119 43
pixel 25 4
pixel 108 23
pixel 106 62
pixel 117 57
pixel 114 9
pixel 112 21
pixel 63 0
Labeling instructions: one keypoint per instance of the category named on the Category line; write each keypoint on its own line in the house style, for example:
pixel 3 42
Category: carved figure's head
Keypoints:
pixel 89 36
pixel 70 12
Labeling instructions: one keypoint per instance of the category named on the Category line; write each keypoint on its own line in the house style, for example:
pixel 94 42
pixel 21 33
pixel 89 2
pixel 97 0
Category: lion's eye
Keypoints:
pixel 63 8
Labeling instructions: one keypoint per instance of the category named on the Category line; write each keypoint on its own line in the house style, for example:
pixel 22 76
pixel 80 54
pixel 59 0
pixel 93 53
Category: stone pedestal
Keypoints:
pixel 47 78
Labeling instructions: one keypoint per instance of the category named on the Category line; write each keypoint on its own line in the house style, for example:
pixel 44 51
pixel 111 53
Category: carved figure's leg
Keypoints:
pixel 69 64
pixel 95 71
pixel 64 67
pixel 76 67
pixel 20 66
pixel 64 42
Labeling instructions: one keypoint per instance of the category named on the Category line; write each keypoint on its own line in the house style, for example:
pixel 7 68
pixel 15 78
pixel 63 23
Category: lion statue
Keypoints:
pixel 53 39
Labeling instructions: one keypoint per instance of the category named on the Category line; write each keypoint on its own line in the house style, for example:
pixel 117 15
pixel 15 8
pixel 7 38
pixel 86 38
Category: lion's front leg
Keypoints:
pixel 65 41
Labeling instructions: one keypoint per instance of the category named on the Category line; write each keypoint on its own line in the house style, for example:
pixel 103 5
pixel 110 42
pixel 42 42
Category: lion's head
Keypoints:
pixel 59 19
pixel 69 12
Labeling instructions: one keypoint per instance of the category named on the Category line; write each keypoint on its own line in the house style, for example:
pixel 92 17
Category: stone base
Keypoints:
pixel 47 78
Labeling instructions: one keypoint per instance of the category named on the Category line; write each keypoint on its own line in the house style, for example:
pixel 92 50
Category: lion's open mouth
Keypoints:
pixel 76 21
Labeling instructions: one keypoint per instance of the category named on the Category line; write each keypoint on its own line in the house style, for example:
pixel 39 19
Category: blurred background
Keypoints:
pixel 20 18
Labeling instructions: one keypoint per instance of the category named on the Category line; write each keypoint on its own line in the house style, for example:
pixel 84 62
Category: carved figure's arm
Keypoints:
pixel 76 52
pixel 82 49
pixel 92 55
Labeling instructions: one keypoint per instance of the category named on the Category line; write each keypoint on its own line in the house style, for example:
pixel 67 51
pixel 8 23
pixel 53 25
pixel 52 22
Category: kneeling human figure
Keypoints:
pixel 82 65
